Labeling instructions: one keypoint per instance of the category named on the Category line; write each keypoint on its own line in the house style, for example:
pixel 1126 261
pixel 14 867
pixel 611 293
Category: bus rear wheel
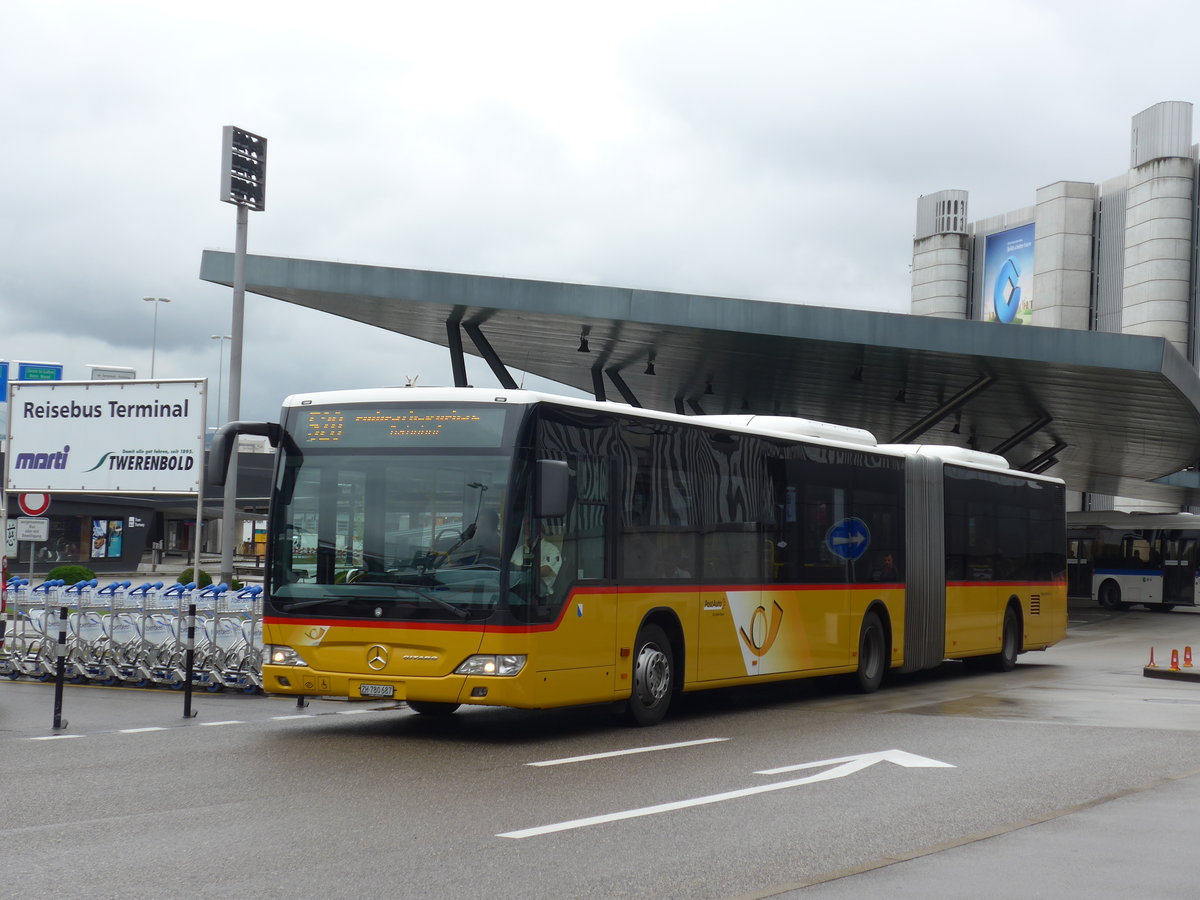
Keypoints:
pixel 1110 595
pixel 872 654
pixel 653 676
pixel 1010 642
pixel 430 708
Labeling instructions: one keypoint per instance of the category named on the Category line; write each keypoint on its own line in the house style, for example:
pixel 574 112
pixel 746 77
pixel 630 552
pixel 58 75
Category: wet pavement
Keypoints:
pixel 1140 841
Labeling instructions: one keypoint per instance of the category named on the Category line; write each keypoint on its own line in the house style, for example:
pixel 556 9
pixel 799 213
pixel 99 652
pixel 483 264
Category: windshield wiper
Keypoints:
pixel 405 588
pixel 287 606
pixel 424 595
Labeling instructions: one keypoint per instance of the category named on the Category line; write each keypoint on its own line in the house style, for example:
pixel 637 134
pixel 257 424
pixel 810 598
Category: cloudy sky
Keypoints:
pixel 753 149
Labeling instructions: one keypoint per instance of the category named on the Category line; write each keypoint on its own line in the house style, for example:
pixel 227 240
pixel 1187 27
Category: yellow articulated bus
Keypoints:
pixel 448 546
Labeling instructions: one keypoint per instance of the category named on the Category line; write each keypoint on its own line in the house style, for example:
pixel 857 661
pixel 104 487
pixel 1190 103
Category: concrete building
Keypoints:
pixel 1118 257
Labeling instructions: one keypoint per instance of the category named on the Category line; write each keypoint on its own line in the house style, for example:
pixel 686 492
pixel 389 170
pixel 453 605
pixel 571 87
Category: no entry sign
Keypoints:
pixel 33 504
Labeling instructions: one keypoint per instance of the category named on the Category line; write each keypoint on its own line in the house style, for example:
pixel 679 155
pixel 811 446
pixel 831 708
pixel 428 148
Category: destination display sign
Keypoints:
pixel 362 427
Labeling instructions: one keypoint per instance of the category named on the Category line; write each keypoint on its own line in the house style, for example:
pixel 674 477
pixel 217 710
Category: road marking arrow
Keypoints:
pixel 847 765
pixel 842 766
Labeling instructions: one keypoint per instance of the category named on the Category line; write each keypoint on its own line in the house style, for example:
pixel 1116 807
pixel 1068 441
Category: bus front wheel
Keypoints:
pixel 1110 595
pixel 653 676
pixel 872 654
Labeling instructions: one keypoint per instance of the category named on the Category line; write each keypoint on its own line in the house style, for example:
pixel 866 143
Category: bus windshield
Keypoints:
pixel 405 535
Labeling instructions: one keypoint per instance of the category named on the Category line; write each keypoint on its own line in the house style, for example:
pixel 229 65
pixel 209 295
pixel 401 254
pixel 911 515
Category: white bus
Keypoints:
pixel 1124 558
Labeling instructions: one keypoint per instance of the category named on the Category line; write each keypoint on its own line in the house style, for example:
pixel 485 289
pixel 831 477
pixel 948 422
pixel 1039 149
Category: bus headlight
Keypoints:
pixel 505 666
pixel 279 655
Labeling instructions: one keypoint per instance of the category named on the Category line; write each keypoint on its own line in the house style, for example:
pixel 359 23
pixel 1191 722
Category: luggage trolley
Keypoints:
pixel 162 634
pixel 17 591
pixel 242 660
pixel 34 633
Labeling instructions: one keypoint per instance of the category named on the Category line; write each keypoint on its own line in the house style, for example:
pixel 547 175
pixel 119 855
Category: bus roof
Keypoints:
pixel 1111 518
pixel 788 427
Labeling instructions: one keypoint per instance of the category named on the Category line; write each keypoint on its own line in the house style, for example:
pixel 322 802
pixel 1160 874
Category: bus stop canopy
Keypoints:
pixel 1109 413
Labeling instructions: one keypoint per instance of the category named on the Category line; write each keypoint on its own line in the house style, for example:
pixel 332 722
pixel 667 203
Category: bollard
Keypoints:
pixel 1174 660
pixel 60 667
pixel 189 661
pixel 1187 657
pixel 1151 665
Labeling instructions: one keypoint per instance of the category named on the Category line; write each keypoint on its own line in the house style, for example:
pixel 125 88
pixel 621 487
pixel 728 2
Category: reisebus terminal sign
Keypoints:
pixel 139 437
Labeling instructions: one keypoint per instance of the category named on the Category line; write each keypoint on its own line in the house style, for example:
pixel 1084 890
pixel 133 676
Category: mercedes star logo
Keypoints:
pixel 377 656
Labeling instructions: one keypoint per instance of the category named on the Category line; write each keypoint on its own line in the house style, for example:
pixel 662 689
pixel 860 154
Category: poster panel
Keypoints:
pixel 1007 294
pixel 139 437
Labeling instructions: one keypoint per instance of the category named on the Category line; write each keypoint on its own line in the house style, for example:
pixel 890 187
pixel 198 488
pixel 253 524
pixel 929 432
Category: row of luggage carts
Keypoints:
pixel 122 634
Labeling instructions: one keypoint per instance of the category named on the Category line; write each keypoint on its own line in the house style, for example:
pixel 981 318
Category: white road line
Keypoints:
pixel 629 752
pixel 140 730
pixel 848 765
pixel 653 810
pixel 297 716
pixel 226 722
pixel 352 712
pixel 57 737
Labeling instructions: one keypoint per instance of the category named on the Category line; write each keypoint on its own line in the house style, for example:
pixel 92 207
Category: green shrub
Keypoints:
pixel 72 574
pixel 204 580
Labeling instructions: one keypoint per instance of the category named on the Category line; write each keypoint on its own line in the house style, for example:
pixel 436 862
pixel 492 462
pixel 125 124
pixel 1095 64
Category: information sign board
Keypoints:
pixel 33 529
pixel 39 371
pixel 139 437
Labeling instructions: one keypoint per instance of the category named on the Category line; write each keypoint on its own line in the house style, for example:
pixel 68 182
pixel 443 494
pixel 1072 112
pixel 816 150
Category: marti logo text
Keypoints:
pixel 55 459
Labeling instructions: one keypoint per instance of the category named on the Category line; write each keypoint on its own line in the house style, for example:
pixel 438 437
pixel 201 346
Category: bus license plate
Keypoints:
pixel 376 690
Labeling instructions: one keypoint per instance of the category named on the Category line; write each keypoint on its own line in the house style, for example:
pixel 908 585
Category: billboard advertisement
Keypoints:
pixel 1007 294
pixel 141 437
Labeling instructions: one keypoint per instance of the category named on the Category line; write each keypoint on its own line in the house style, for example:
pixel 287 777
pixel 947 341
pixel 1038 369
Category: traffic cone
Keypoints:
pixel 1174 660
pixel 1187 657
pixel 1151 664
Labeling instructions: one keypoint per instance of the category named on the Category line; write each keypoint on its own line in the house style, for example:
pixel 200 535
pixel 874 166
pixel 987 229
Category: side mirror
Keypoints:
pixel 226 439
pixel 550 489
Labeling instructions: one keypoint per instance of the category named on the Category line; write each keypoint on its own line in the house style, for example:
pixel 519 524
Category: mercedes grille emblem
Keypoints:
pixel 377 656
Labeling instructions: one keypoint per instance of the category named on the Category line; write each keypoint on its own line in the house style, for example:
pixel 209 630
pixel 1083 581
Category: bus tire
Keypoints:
pixel 872 654
pixel 1109 595
pixel 1010 642
pixel 653 676
pixel 431 708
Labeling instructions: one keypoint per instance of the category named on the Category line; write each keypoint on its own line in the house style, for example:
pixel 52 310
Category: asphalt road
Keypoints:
pixel 1072 776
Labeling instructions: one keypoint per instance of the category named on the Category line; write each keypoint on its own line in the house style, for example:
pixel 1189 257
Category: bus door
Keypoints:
pixel 571 587
pixel 735 626
pixel 1179 568
pixel 1140 580
pixel 1079 566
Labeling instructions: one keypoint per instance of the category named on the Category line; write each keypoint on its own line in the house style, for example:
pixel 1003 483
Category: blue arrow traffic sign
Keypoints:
pixel 848 538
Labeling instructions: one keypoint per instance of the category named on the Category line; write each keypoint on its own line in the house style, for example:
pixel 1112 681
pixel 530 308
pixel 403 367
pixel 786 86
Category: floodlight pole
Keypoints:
pixel 220 371
pixel 243 183
pixel 154 339
pixel 229 525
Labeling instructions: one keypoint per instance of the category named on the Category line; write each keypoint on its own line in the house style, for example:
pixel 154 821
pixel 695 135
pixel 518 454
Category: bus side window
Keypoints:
pixel 587 519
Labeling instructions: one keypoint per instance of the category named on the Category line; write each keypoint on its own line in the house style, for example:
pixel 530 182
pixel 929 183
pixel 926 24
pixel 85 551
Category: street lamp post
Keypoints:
pixel 154 341
pixel 220 369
